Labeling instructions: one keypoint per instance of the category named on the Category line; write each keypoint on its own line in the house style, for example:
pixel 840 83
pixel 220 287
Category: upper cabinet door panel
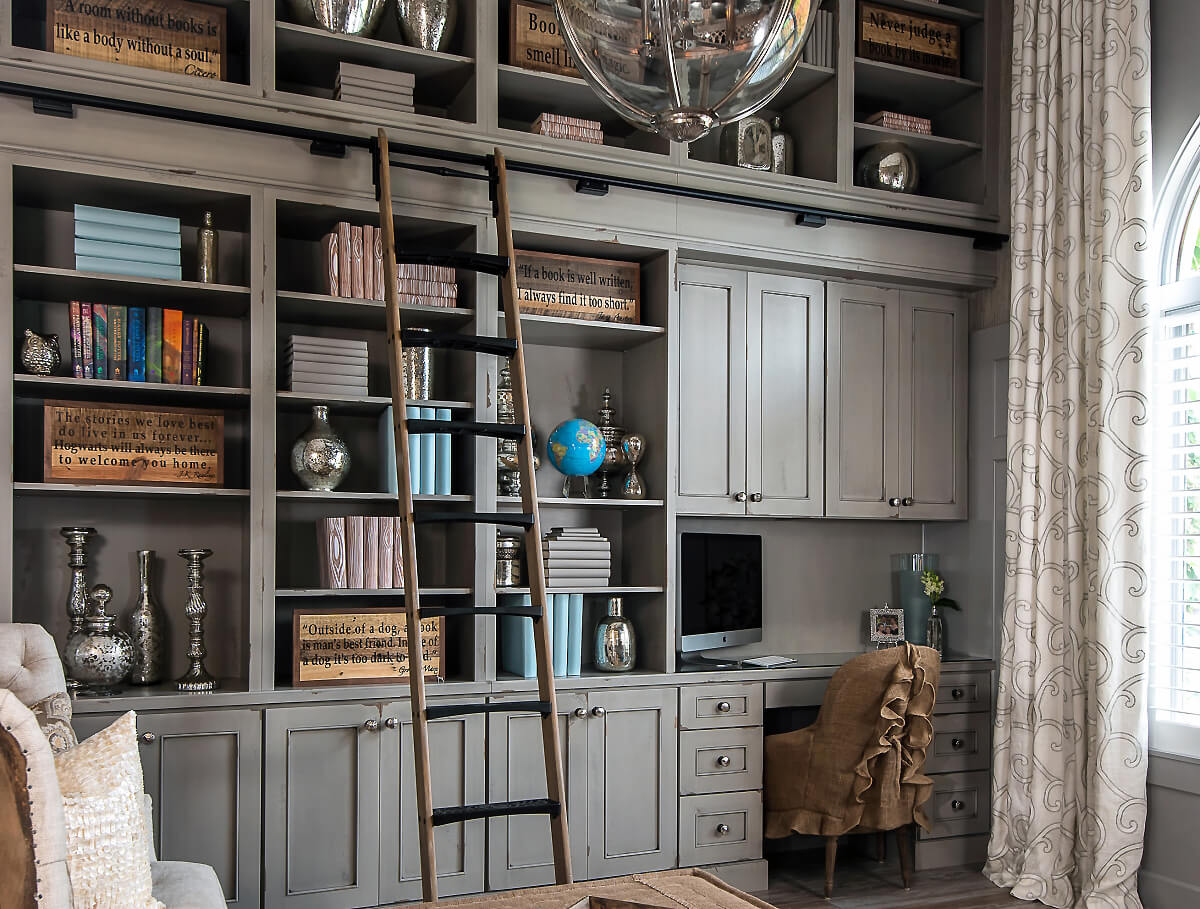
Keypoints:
pixel 861 402
pixel 712 390
pixel 785 407
pixel 933 432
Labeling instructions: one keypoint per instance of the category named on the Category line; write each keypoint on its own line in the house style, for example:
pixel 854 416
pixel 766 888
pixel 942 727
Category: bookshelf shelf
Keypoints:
pixel 41 282
pixel 304 495
pixel 556 331
pixel 372 404
pixel 598 591
pixel 911 90
pixel 310 592
pixel 933 152
pixel 112 390
pixel 133 492
pixel 964 17
pixel 348 312
pixel 560 502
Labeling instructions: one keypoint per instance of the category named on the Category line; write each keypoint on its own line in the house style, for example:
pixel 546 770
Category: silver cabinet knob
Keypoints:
pixel 722 829
pixel 756 497
pixel 148 738
pixel 907 501
pixel 894 501
pixel 371 725
pixel 739 497
pixel 723 707
pixel 723 761
pixel 391 722
pixel 957 693
pixel 581 712
pixel 957 805
pixel 957 744
pixel 598 711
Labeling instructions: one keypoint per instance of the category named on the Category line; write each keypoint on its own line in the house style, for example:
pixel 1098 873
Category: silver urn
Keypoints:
pixel 342 17
pixel 320 459
pixel 890 166
pixel 40 355
pixel 427 24
pixel 99 655
pixel 616 644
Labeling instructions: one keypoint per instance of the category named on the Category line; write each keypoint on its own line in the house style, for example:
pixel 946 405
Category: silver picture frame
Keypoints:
pixel 886 626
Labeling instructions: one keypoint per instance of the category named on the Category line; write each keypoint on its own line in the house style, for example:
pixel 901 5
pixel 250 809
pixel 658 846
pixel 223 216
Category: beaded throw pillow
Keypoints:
pixel 108 851
pixel 54 716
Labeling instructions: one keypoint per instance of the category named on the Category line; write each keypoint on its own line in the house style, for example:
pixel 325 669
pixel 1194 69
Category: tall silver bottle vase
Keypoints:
pixel 320 459
pixel 197 677
pixel 616 643
pixel 147 628
pixel 428 24
pixel 359 18
pixel 77 598
pixel 99 654
pixel 206 251
pixel 418 371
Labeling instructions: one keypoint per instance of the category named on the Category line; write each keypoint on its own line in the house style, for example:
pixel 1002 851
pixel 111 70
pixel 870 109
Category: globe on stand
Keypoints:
pixel 576 449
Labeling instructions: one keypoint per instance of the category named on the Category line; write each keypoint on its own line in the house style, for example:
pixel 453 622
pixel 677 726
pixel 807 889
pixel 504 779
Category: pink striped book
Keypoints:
pixel 371 552
pixel 331 552
pixel 387 566
pixel 355 531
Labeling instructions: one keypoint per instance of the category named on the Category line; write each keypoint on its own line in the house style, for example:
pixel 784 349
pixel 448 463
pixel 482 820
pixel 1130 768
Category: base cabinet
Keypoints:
pixel 202 770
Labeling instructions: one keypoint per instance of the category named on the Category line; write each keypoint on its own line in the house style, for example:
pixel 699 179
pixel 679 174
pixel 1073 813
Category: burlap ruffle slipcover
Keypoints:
pixel 859 767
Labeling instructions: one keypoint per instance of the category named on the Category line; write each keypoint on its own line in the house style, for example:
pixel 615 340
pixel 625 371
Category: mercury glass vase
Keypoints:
pixel 427 24
pixel 359 18
pixel 320 459
pixel 77 598
pixel 147 629
pixel 100 654
pixel 616 643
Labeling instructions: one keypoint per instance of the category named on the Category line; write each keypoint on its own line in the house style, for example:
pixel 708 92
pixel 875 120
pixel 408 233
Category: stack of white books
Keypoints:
pixel 377 87
pixel 326 366
pixel 577 557
pixel 819 49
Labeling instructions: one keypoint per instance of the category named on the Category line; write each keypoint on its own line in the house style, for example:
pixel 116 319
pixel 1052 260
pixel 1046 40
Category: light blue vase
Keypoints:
pixel 910 595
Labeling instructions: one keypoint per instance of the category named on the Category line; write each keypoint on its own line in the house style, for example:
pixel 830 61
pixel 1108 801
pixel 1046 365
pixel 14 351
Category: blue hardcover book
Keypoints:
pixel 125 267
pixel 428 449
pixel 136 344
pixel 131 236
pixel 441 473
pixel 129 252
pixel 126 218
pixel 516 640
pixel 154 344
pixel 575 634
pixel 414 451
pixel 560 626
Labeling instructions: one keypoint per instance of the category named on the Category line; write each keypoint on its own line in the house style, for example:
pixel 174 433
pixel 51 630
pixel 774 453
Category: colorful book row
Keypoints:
pixel 429 467
pixel 353 257
pixel 360 552
pixel 565 614
pixel 137 344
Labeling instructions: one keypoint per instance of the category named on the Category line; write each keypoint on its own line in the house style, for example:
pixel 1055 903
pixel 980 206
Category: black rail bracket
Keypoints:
pixel 989 242
pixel 326 148
pixel 810 219
pixel 53 107
pixel 587 186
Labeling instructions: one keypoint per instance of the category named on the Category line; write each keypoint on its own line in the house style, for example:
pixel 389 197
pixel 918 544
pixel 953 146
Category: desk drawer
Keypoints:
pixel 960 804
pixel 720 760
pixel 961 741
pixel 720 828
pixel 716 706
pixel 964 692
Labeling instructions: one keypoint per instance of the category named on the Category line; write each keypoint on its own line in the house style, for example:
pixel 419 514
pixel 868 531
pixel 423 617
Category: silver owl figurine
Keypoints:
pixel 40 355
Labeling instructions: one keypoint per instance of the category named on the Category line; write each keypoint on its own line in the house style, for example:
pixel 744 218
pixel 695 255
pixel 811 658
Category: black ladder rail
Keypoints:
pixel 484 263
pixel 448 340
pixel 429 612
pixel 514 431
pixel 508 519
pixel 440 711
pixel 456 813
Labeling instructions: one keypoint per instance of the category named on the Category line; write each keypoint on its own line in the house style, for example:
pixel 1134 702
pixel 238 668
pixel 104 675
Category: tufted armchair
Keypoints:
pixel 35 723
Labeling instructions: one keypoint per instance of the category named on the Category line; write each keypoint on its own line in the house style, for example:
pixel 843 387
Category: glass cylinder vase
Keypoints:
pixel 147 628
pixel 910 595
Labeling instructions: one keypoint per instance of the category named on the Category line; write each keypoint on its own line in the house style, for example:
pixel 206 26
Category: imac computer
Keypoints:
pixel 720 591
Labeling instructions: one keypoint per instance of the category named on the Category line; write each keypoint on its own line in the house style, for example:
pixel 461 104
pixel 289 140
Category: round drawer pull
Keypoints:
pixel 371 725
pixel 148 738
pixel 723 707
pixel 598 711
pixel 739 497
pixel 894 501
pixel 957 693
pixel 957 744
pixel 391 722
pixel 723 760
pixel 722 829
pixel 957 805
pixel 756 497
pixel 907 501
pixel 581 712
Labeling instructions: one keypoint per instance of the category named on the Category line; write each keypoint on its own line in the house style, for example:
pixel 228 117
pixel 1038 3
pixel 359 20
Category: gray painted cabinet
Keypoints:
pixel 896 404
pixel 202 769
pixel 751 370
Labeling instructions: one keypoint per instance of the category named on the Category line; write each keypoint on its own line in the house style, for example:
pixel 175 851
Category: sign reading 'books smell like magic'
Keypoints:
pixel 123 444
pixel 601 290
pixel 174 36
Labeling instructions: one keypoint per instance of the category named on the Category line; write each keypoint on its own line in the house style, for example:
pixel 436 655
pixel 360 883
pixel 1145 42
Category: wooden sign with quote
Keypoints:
pixel 534 41
pixel 599 290
pixel 356 646
pixel 125 444
pixel 909 39
pixel 174 36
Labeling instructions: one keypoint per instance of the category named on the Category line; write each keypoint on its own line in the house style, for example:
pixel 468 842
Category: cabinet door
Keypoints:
pixel 321 810
pixel 712 390
pixel 519 853
pixel 456 754
pixel 785 409
pixel 933 406
pixel 861 402
pixel 633 773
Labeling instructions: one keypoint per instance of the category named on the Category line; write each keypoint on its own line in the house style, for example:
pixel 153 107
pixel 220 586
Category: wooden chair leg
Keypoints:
pixel 904 848
pixel 881 846
pixel 830 861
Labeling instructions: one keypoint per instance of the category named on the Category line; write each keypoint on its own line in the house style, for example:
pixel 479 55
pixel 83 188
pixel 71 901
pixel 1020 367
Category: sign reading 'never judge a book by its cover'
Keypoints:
pixel 351 645
pixel 602 290
pixel 122 444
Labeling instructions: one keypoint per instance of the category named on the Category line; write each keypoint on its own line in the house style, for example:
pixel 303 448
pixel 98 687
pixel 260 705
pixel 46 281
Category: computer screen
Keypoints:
pixel 720 590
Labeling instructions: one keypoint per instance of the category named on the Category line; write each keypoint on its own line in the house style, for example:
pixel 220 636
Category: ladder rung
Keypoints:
pixel 468 427
pixel 439 711
pixel 454 258
pixel 430 612
pixel 448 340
pixel 497 809
pixel 513 519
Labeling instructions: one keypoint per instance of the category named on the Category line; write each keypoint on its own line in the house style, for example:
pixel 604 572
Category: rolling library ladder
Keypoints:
pixel 501 266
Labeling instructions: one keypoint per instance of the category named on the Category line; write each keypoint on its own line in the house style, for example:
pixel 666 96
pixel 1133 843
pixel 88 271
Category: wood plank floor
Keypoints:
pixel 862 883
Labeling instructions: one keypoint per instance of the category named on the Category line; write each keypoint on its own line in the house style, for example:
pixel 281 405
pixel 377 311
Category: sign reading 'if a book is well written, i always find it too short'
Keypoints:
pixel 174 36
pixel 601 290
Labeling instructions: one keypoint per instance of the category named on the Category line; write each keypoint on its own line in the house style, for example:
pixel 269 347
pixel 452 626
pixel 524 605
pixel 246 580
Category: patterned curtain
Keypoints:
pixel 1069 809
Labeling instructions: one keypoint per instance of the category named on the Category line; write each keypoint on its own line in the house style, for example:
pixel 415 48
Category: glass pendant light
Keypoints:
pixel 681 68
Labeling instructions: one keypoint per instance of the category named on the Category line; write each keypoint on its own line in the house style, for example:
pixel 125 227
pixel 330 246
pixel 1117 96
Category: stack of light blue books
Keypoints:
pixel 565 613
pixel 430 470
pixel 114 242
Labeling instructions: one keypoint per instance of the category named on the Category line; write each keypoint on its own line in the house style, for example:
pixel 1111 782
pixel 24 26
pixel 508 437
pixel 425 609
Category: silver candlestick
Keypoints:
pixel 614 456
pixel 197 678
pixel 77 599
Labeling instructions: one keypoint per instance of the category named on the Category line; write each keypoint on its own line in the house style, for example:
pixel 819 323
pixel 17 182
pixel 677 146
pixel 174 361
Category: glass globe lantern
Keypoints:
pixel 681 68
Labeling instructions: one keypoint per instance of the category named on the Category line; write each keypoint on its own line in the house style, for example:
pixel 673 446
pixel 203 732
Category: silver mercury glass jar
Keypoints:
pixel 428 24
pixel 418 371
pixel 508 560
pixel 781 148
pixel 147 629
pixel 320 459
pixel 100 654
pixel 359 18
pixel 616 644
